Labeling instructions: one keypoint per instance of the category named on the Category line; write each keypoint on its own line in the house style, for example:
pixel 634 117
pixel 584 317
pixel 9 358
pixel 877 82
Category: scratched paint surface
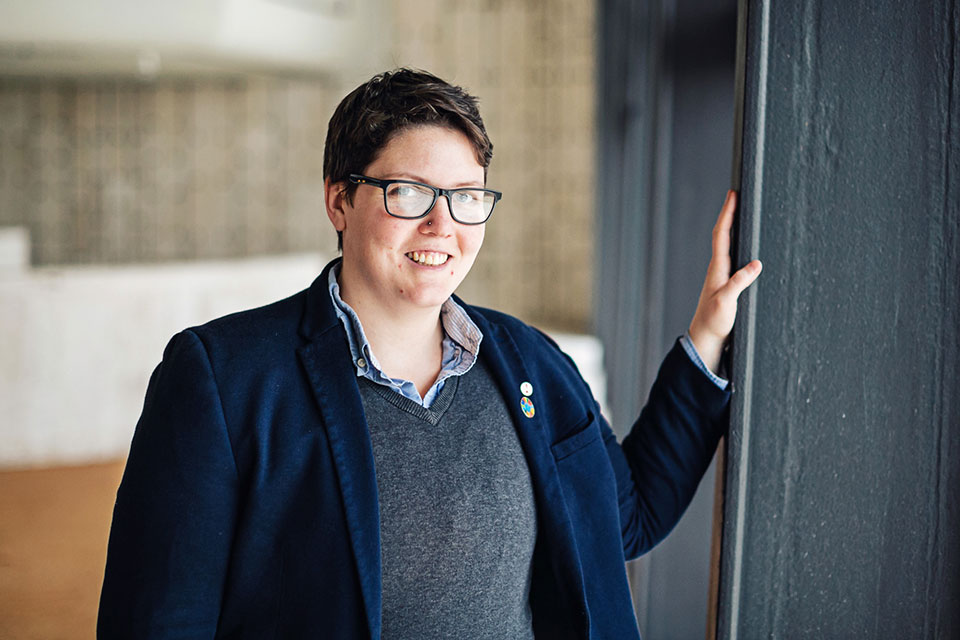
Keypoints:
pixel 842 516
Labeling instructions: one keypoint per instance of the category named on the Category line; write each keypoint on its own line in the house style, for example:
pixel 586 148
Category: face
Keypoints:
pixel 393 264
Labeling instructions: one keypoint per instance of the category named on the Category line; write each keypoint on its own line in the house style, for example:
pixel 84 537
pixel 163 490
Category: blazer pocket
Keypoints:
pixel 580 439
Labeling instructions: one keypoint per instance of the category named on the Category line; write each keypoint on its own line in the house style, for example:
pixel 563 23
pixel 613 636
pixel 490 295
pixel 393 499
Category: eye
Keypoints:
pixel 403 191
pixel 465 197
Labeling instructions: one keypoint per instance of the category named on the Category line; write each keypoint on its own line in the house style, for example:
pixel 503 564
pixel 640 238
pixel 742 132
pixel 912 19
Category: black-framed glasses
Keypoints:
pixel 410 200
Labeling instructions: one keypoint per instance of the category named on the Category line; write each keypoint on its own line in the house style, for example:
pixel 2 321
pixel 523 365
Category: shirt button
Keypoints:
pixel 361 363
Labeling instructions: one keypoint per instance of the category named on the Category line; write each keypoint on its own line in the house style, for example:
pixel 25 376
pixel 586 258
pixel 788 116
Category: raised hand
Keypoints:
pixel 717 309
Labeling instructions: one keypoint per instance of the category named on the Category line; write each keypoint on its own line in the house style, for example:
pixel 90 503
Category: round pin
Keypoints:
pixel 526 388
pixel 526 405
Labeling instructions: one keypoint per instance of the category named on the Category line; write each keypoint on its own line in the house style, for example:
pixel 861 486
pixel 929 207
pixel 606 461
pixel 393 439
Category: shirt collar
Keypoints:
pixel 461 343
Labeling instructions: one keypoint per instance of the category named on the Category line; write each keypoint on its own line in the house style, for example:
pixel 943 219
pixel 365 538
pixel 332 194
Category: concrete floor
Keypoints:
pixel 54 525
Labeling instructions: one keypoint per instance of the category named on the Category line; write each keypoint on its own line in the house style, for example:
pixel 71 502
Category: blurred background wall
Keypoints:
pixel 162 165
pixel 120 159
pixel 108 169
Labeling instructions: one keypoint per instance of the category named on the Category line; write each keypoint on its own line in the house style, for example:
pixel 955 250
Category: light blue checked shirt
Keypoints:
pixel 461 346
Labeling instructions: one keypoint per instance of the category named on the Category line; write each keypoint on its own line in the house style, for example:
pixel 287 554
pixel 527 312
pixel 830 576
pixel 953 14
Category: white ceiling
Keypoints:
pixel 148 38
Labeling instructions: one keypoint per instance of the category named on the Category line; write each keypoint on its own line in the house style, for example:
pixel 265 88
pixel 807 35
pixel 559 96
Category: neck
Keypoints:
pixel 407 342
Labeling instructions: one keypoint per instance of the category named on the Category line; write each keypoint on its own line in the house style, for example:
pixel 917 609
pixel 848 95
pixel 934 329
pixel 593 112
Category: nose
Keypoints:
pixel 438 220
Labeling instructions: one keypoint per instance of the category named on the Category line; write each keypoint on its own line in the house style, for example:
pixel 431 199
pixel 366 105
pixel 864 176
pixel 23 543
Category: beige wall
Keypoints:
pixel 119 171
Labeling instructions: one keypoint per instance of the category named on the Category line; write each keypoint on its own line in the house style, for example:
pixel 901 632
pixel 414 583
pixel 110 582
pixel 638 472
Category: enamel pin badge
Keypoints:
pixel 526 404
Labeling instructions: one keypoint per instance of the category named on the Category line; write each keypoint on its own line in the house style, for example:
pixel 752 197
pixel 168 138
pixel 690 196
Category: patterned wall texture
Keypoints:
pixel 119 171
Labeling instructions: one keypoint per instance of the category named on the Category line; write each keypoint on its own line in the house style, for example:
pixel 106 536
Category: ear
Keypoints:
pixel 334 197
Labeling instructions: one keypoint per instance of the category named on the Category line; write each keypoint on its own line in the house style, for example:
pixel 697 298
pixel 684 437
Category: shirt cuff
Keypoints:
pixel 691 350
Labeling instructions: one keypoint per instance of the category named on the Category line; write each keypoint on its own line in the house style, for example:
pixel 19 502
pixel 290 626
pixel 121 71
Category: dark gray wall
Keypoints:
pixel 842 511
pixel 666 72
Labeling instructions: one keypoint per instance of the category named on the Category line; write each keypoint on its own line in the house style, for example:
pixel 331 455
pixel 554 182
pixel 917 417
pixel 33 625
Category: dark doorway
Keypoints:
pixel 666 123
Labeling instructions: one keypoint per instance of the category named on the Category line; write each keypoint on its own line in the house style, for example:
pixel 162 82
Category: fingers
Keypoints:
pixel 721 230
pixel 717 308
pixel 719 270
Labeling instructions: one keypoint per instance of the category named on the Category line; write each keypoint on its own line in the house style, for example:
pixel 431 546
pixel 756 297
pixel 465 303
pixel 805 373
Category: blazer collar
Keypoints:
pixel 319 315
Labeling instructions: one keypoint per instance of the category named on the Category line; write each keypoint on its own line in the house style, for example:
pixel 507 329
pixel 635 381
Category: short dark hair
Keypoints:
pixel 390 102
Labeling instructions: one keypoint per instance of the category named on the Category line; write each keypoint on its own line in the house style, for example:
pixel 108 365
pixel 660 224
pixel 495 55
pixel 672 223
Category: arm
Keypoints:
pixel 176 507
pixel 660 463
pixel 658 466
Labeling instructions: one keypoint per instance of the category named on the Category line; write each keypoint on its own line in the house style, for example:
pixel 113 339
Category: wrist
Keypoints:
pixel 708 346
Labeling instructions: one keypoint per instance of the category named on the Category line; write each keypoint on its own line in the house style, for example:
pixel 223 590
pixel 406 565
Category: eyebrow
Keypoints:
pixel 400 175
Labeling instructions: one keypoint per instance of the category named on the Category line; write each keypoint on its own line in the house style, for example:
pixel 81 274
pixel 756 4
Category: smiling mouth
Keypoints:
pixel 428 258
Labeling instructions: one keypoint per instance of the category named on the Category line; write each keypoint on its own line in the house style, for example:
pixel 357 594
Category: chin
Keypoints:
pixel 432 294
pixel 428 299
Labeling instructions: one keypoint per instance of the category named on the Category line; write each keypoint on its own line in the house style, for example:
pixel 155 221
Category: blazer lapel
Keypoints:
pixel 506 364
pixel 327 362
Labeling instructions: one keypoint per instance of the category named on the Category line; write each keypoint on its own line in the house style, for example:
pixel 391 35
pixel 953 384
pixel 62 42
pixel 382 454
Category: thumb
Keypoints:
pixel 742 279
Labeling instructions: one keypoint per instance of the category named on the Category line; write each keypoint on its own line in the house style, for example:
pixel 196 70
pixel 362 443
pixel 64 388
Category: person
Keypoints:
pixel 374 457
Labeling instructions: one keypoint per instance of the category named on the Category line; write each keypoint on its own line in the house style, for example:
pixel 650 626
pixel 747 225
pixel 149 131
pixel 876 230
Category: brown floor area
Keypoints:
pixel 53 540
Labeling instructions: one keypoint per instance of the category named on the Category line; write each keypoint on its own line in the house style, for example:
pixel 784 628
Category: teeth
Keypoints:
pixel 428 258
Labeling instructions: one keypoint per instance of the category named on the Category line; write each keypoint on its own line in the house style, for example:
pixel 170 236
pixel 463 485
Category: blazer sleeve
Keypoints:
pixel 176 507
pixel 660 463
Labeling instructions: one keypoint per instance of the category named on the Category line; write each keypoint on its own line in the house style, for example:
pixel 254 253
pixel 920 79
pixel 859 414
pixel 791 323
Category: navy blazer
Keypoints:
pixel 248 506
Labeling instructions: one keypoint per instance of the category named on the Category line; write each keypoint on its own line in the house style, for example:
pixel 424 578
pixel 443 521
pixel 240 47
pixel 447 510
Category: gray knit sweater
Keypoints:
pixel 457 514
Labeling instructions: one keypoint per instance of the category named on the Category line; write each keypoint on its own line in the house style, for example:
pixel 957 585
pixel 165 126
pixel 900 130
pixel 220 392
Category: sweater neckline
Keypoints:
pixel 434 414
